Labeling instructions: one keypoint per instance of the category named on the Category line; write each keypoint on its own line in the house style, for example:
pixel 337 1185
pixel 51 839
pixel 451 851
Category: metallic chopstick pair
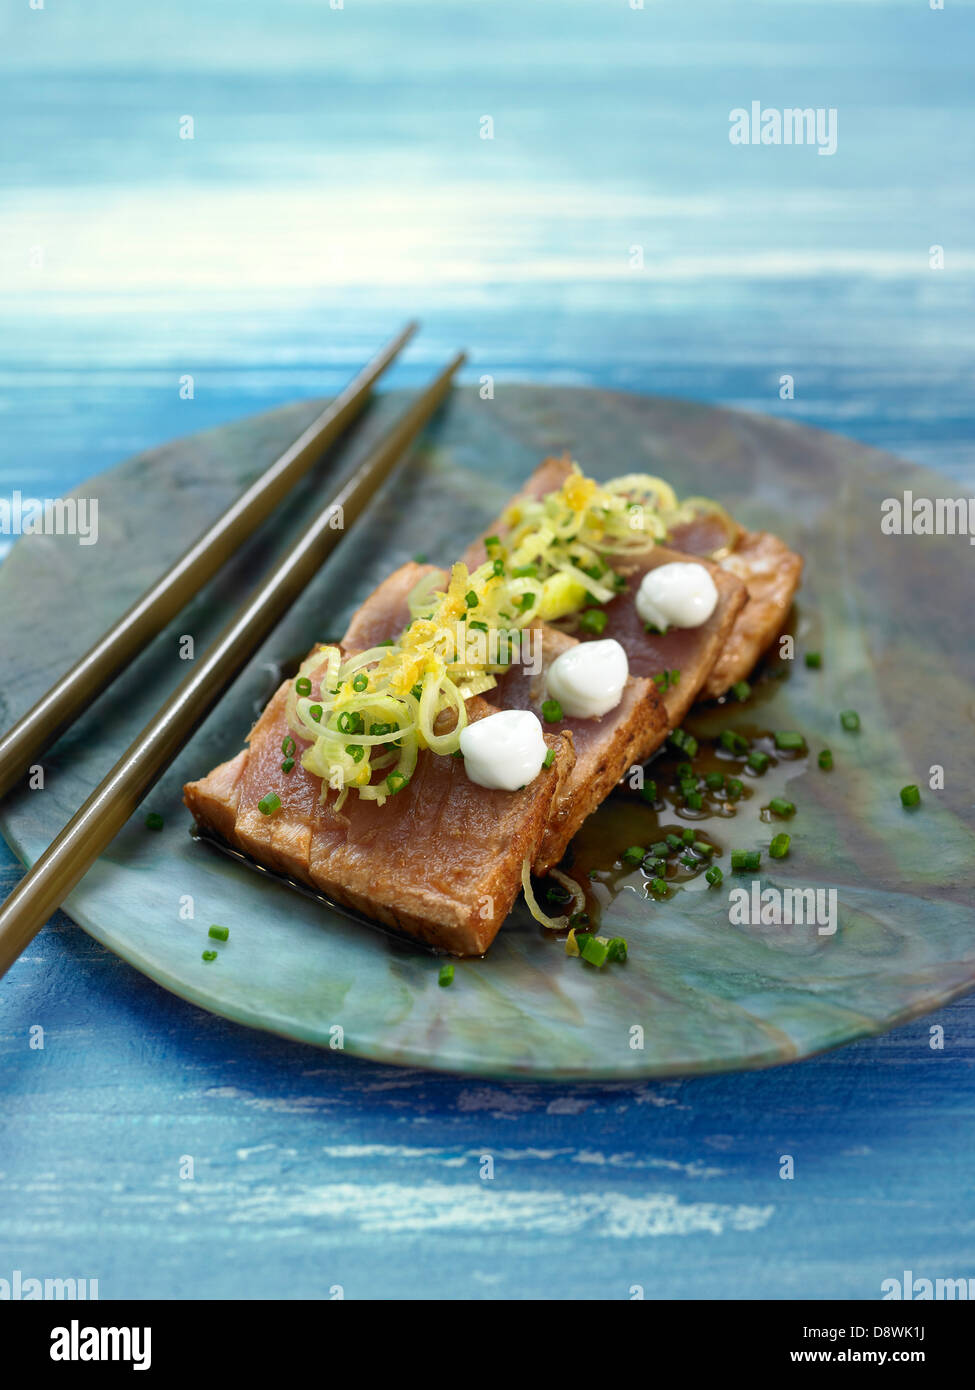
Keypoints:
pixel 98 821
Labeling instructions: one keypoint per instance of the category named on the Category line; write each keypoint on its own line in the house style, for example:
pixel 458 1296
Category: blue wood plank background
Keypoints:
pixel 337 183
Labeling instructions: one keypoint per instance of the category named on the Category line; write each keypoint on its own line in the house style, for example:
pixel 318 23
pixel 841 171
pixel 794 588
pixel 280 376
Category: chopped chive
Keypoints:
pixel 745 859
pixel 355 751
pixel 551 711
pixel 491 540
pixel 674 841
pixel 850 720
pixel 395 782
pixel 360 682
pixel 674 677
pixel 549 758
pixel 380 729
pixel 524 572
pixel 579 921
pixel 826 760
pixel 634 855
pixel 814 660
pixel 911 795
pixel 350 722
pixel 687 838
pixel 757 761
pixel 269 804
pixel 779 847
pixel 683 770
pixel 446 976
pixel 471 599
pixel 735 788
pixel 593 620
pixel 702 847
pixel 780 807
pixel 657 885
pixel 219 933
pixel 288 746
pixel 593 951
pixel 478 626
pixel 316 712
pixel 714 875
pixel 686 742
pixel 303 685
pixel 649 792
pixel 694 800
pixel 526 601
pixel 498 567
pixel 653 867
pixel 741 690
pixel 789 740
pixel 714 781
pixel 660 848
pixel 209 955
pixel 386 642
pixel 733 741
pixel 154 821
pixel 616 948
pixel 288 765
pixel 417 692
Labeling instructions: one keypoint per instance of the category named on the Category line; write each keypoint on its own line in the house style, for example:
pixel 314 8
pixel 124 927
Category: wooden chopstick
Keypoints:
pixel 68 858
pixel 76 689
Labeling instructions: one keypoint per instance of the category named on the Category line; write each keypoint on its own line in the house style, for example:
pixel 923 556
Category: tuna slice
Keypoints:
pixel 692 651
pixel 763 563
pixel 770 572
pixel 605 748
pixel 441 860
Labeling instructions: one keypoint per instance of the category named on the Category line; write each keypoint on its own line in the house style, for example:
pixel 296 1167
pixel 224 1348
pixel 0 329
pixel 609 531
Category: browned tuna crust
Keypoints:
pixel 605 748
pixel 441 860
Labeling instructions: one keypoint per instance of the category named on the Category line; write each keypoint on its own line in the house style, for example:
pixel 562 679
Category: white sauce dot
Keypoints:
pixel 505 751
pixel 588 679
pixel 676 595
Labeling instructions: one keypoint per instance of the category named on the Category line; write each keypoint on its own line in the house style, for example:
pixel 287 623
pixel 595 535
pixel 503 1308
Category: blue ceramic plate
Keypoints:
pixel 698 993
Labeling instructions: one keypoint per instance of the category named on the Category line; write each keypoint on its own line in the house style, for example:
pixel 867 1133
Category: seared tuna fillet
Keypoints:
pixel 692 651
pixel 770 572
pixel 441 860
pixel 605 748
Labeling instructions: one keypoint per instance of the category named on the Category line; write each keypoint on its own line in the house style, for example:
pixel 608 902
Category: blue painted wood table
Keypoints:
pixel 210 210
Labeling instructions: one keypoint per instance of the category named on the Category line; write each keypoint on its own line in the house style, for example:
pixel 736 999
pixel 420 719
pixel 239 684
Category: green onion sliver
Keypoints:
pixel 219 933
pixel 269 804
pixel 779 847
pixel 744 859
pixel 446 976
pixel 911 796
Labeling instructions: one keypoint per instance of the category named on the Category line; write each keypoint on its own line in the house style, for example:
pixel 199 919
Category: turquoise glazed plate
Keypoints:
pixel 700 992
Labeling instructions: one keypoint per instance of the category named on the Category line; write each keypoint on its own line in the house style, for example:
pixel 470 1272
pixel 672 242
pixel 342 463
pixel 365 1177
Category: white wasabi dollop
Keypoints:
pixel 505 751
pixel 676 595
pixel 588 680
